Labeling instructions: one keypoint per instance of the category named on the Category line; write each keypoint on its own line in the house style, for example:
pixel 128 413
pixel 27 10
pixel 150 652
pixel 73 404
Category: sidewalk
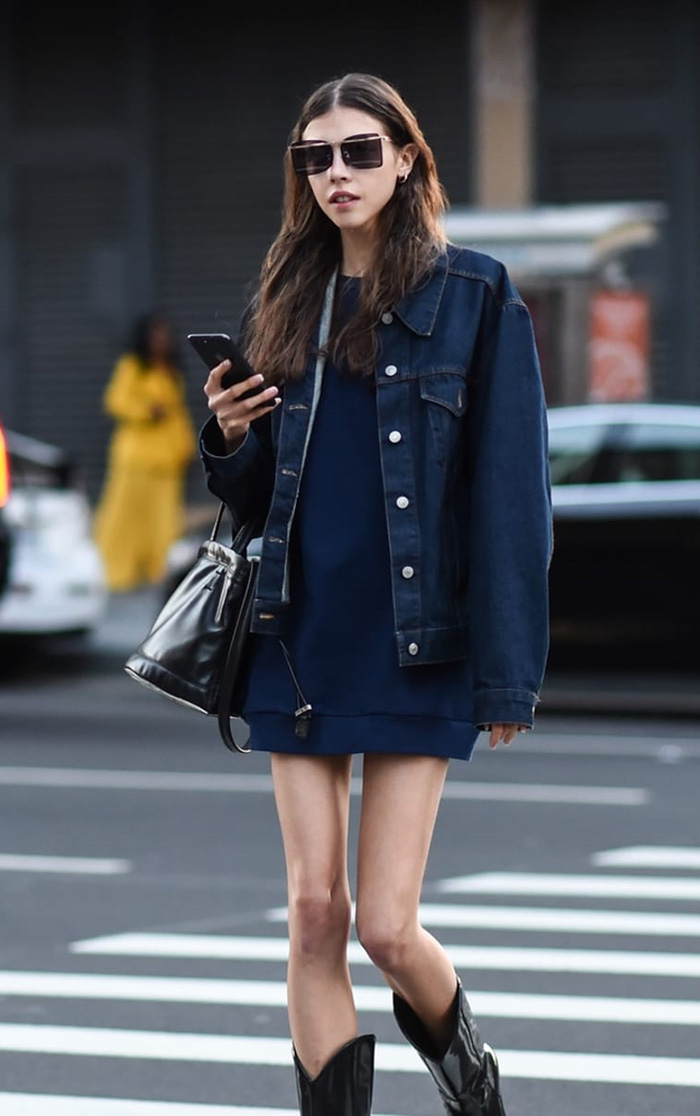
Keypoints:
pixel 129 616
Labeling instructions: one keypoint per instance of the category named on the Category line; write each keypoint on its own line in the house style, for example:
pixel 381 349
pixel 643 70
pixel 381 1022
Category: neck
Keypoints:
pixel 358 249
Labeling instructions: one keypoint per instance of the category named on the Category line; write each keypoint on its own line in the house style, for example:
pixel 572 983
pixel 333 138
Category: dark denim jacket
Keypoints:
pixel 462 428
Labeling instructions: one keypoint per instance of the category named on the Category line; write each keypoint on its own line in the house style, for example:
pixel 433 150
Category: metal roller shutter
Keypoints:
pixel 69 208
pixel 70 223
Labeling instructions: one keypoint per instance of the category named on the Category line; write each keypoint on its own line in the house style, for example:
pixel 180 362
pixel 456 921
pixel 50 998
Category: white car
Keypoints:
pixel 56 582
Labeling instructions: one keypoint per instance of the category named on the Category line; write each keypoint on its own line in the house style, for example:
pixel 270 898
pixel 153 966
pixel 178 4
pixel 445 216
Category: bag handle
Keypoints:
pixel 245 533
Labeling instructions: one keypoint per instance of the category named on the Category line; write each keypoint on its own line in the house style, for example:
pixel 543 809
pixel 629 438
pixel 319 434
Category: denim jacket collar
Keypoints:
pixel 418 309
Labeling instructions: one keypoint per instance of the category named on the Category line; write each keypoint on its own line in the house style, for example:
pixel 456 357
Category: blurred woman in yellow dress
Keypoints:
pixel 141 509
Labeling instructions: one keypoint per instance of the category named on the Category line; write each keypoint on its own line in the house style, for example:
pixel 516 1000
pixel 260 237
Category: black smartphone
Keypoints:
pixel 215 347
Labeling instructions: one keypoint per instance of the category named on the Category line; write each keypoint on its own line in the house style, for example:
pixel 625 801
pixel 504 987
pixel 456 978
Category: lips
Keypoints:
pixel 339 197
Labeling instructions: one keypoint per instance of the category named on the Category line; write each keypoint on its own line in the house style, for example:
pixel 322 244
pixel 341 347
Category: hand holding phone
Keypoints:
pixel 233 415
pixel 214 348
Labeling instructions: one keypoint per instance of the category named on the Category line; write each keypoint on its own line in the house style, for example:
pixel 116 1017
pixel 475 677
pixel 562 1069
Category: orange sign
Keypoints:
pixel 619 346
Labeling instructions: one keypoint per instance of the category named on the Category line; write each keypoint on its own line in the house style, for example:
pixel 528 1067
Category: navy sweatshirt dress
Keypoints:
pixel 339 625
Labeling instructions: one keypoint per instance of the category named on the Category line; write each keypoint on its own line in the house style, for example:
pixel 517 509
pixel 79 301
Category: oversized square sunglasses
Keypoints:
pixel 363 152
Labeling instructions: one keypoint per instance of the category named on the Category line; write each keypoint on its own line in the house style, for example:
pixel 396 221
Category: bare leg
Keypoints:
pixel 312 794
pixel 400 801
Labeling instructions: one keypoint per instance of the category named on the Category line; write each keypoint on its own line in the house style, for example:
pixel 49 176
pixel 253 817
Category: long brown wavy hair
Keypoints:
pixel 307 249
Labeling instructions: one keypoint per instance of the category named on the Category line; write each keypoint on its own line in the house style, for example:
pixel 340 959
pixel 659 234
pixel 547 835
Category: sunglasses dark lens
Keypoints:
pixel 311 158
pixel 363 154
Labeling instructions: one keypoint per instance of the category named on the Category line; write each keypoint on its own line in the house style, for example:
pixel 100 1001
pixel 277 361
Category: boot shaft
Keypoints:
pixel 345 1084
pixel 466 1073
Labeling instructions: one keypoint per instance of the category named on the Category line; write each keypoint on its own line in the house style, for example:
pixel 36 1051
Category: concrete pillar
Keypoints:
pixel 503 86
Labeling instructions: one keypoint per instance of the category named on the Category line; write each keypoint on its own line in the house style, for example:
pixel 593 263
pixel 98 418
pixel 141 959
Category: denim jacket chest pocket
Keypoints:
pixel 444 395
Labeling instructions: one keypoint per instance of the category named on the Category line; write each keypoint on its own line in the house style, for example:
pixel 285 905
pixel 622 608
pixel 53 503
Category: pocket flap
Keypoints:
pixel 449 389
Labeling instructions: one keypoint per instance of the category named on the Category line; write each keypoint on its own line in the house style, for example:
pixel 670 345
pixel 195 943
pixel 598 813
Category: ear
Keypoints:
pixel 406 159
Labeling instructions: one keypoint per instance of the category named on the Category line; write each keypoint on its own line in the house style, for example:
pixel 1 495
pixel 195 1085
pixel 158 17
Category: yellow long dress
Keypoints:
pixel 141 509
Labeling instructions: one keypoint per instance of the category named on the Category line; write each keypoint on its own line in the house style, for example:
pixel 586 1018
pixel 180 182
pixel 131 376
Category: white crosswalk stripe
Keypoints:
pixel 556 919
pixel 561 1059
pixel 519 958
pixel 33 1104
pixel 391 1057
pixel 198 782
pixel 646 856
pixel 269 993
pixel 274 993
pixel 556 883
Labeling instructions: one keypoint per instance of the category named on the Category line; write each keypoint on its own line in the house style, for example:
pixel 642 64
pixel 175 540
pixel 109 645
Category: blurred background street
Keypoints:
pixel 142 891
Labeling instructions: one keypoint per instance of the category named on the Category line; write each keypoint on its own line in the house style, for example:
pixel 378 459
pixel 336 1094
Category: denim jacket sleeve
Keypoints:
pixel 510 527
pixel 244 480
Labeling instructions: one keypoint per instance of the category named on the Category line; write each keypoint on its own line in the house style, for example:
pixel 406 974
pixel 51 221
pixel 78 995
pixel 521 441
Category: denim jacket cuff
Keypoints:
pixel 217 460
pixel 504 707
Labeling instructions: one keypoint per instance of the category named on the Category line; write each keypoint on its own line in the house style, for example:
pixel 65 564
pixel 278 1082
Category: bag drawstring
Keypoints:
pixel 303 710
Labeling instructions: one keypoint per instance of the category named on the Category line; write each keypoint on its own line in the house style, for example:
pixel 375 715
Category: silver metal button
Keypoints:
pixel 407 571
pixel 402 502
pixel 387 318
pixel 395 436
pixel 391 369
pixel 413 648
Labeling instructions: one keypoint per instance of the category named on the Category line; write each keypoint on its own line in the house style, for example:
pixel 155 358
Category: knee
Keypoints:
pixel 319 921
pixel 388 939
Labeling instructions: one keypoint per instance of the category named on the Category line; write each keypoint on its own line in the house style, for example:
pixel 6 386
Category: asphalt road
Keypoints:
pixel 142 921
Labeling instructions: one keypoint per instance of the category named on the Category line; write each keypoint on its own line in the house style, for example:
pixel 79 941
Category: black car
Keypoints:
pixel 4 527
pixel 626 495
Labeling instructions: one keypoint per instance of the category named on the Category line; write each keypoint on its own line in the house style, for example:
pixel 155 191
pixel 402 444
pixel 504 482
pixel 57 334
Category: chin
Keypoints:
pixel 349 220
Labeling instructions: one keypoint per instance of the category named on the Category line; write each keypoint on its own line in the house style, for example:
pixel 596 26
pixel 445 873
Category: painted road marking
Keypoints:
pixel 648 856
pixel 242 1049
pixel 544 883
pixel 270 993
pixel 516 958
pixel 556 919
pixel 82 865
pixel 188 781
pixel 42 1104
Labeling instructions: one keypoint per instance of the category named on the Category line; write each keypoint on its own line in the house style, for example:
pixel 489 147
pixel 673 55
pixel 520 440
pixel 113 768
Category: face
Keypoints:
pixel 351 197
pixel 159 340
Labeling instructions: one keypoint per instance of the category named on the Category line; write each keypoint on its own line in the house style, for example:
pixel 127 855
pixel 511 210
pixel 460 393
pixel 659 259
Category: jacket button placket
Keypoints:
pixel 398 474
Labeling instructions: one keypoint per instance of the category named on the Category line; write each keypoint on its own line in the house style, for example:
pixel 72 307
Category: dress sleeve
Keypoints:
pixel 510 527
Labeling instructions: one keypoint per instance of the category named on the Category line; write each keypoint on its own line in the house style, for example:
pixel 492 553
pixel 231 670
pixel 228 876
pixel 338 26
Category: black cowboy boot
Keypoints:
pixel 344 1085
pixel 466 1074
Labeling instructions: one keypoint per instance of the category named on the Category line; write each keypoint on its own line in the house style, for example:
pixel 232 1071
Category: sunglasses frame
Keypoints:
pixel 302 146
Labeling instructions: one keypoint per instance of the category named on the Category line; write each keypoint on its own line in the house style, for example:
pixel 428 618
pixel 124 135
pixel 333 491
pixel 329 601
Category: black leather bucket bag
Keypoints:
pixel 195 651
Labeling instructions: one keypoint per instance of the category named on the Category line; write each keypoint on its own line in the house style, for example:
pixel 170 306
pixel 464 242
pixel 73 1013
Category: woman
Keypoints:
pixel 404 564
pixel 140 513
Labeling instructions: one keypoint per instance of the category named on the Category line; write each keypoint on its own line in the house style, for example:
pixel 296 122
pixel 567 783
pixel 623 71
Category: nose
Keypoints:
pixel 338 168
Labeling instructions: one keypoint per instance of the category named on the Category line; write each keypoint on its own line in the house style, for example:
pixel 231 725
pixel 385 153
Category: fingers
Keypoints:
pixel 214 385
pixel 496 735
pixel 233 413
pixel 503 733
